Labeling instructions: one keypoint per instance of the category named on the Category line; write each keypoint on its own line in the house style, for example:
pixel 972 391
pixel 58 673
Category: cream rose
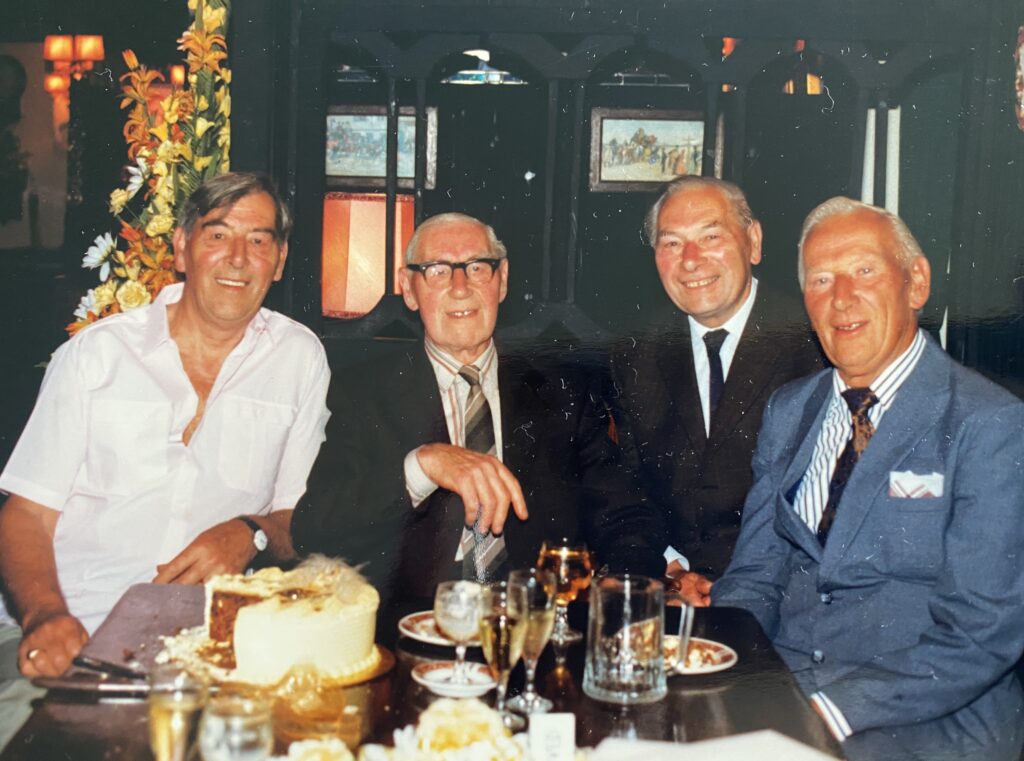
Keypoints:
pixel 133 294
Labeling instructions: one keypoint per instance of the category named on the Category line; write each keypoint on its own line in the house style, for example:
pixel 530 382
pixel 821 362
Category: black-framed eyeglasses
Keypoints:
pixel 438 274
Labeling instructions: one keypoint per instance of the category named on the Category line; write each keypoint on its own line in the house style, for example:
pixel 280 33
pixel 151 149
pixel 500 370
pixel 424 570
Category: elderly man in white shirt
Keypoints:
pixel 168 443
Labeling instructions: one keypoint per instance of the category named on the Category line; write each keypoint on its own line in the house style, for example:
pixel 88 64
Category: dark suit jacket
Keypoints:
pixel 914 609
pixel 700 482
pixel 555 441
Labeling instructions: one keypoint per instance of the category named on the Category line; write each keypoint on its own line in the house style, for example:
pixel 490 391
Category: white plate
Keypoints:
pixel 423 628
pixel 723 656
pixel 435 676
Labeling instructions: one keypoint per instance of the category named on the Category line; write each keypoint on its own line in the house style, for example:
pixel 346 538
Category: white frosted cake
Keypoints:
pixel 321 615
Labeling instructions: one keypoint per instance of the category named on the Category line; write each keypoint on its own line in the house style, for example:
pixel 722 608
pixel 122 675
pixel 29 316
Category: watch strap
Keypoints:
pixel 254 527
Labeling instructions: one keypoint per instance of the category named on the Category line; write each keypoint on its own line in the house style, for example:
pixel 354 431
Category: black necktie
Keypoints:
pixel 713 340
pixel 859 400
pixel 484 555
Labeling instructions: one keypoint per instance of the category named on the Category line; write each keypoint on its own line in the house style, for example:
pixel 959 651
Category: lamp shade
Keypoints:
pixel 89 47
pixel 58 47
pixel 56 82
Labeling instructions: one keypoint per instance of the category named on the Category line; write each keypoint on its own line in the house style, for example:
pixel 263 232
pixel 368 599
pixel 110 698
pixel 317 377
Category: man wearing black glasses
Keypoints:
pixel 454 460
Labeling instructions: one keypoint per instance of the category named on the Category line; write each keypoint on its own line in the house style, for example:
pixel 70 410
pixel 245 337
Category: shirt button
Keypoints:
pixel 818 657
pixel 826 597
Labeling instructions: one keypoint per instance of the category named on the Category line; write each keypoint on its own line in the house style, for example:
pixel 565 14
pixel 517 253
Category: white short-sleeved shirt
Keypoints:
pixel 104 445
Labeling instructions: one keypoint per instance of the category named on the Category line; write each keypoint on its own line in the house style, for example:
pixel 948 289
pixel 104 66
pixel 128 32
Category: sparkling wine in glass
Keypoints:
pixel 174 702
pixel 573 568
pixel 503 622
pixel 540 587
pixel 457 615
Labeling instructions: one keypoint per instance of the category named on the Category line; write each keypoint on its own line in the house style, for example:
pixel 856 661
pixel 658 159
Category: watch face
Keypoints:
pixel 260 540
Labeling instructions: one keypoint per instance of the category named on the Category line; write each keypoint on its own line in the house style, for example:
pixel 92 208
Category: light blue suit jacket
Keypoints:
pixel 915 608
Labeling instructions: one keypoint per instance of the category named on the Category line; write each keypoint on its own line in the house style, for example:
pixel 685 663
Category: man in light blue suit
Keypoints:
pixel 882 546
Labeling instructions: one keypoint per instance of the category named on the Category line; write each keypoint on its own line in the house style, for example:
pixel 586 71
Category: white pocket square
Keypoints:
pixel 907 483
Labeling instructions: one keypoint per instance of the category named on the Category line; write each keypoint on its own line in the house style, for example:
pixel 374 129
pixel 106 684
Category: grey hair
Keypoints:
pixel 495 247
pixel 732 192
pixel 225 190
pixel 908 247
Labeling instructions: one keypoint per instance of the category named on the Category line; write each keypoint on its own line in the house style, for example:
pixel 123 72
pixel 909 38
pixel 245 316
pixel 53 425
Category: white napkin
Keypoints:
pixel 755 745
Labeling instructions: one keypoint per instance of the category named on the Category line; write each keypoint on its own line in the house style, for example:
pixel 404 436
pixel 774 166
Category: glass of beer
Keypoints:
pixel 457 615
pixel 573 568
pixel 175 700
pixel 504 617
pixel 539 587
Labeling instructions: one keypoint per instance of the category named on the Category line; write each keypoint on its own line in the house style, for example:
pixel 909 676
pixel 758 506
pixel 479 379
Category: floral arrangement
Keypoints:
pixel 176 141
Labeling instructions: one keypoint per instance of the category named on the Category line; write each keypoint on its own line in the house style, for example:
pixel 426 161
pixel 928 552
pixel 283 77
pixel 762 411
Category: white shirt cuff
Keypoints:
pixel 834 718
pixel 417 483
pixel 671 553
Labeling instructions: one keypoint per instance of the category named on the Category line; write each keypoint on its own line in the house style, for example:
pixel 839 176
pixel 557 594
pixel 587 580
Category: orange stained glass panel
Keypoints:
pixel 353 250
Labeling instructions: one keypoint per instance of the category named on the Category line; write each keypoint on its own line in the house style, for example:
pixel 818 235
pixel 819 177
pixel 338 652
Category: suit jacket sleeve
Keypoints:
pixel 755 577
pixel 976 606
pixel 628 532
pixel 356 504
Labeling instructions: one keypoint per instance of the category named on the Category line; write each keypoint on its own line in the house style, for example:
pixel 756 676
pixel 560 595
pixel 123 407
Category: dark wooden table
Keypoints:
pixel 757 693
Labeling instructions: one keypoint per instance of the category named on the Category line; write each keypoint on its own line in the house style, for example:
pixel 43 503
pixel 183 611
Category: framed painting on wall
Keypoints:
pixel 357 147
pixel 640 149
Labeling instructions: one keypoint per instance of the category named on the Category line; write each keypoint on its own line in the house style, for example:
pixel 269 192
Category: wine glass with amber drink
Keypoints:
pixel 573 568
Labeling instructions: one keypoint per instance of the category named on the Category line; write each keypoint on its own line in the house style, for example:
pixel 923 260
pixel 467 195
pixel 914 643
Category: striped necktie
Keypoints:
pixel 859 400
pixel 484 555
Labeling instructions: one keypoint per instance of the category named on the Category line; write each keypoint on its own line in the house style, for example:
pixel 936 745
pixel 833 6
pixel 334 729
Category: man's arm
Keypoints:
pixel 483 482
pixel 51 635
pixel 753 580
pixel 228 548
pixel 628 532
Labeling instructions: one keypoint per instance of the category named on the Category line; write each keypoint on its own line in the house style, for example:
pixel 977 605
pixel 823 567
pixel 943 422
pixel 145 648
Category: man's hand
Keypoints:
pixel 49 644
pixel 484 483
pixel 224 548
pixel 693 588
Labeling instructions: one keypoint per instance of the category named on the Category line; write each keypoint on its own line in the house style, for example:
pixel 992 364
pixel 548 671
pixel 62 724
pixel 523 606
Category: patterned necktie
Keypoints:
pixel 713 340
pixel 484 555
pixel 859 400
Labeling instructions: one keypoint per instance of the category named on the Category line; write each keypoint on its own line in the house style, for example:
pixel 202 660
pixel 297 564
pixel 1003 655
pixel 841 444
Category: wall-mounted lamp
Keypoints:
pixel 73 55
pixel 67 56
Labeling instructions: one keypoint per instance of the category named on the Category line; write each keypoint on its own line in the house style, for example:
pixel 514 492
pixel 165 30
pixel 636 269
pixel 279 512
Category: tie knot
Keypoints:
pixel 859 400
pixel 470 374
pixel 714 339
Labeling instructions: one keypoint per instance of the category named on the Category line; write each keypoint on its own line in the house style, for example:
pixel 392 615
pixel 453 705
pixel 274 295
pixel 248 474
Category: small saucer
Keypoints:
pixel 717 657
pixel 435 676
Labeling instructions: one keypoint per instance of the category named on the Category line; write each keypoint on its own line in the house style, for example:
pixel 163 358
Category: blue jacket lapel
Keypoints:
pixel 918 406
pixel 805 436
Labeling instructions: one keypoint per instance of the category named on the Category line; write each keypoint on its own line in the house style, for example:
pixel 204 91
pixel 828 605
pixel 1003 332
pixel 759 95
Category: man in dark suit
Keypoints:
pixel 882 546
pixel 693 386
pixel 452 460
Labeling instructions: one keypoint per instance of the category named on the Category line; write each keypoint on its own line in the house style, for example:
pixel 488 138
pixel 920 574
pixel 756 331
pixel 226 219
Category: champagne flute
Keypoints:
pixel 457 615
pixel 573 568
pixel 539 586
pixel 503 621
pixel 175 700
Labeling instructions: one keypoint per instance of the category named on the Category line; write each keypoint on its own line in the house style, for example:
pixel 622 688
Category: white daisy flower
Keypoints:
pixel 87 304
pixel 98 253
pixel 137 175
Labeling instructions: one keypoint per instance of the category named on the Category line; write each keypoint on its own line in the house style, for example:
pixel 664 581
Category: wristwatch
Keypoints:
pixel 259 536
